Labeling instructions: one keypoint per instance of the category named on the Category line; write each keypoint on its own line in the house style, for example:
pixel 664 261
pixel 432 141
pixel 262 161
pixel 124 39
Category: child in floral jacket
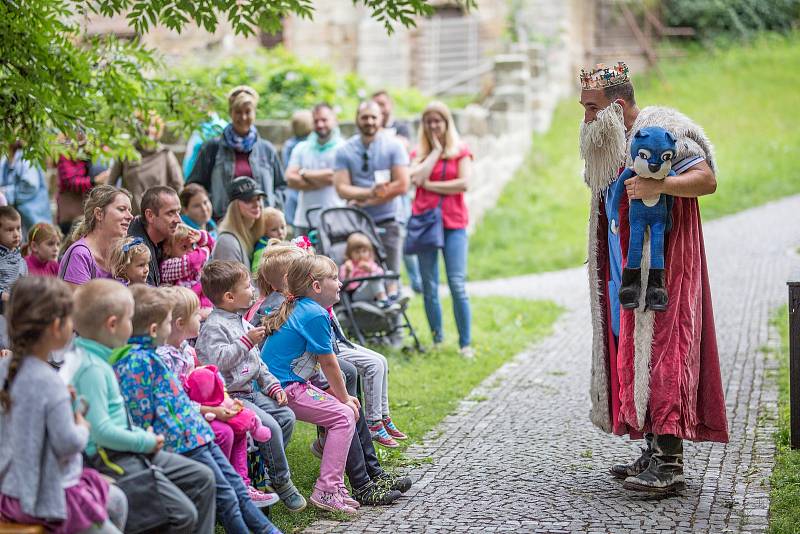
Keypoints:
pixel 155 399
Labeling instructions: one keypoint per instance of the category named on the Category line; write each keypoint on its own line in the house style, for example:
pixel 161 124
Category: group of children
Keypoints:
pixel 178 378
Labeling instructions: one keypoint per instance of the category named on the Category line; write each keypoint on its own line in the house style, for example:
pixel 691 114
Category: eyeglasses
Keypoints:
pixel 365 164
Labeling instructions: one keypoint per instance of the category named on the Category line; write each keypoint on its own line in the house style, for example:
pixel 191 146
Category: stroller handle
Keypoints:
pixel 387 275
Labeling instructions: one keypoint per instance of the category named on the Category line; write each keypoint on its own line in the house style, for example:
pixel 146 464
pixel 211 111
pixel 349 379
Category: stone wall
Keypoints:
pixel 499 131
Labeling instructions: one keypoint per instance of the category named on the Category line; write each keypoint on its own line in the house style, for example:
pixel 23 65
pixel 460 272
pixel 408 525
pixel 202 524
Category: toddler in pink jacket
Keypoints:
pixel 186 252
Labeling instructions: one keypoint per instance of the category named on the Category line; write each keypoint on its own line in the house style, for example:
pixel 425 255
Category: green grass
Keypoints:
pixel 747 99
pixel 784 511
pixel 424 388
pixel 539 222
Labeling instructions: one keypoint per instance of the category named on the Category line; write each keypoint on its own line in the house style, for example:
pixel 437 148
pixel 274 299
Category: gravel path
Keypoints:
pixel 527 459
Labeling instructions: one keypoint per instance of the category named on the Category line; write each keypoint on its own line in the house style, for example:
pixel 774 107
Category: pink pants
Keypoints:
pixel 234 447
pixel 312 405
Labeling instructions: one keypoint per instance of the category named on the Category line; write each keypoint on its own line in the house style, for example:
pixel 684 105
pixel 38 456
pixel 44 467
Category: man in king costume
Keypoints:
pixel 654 374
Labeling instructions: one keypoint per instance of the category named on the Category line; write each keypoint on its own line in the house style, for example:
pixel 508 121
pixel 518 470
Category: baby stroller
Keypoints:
pixel 363 320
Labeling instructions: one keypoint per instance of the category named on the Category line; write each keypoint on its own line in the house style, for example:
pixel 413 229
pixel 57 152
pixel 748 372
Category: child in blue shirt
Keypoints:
pixel 299 344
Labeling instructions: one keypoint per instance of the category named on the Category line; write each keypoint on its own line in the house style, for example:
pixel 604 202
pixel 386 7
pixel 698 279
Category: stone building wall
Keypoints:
pixel 192 43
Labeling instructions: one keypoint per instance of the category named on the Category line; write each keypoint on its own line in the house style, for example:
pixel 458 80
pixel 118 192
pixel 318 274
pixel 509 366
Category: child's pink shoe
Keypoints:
pixel 261 499
pixel 391 429
pixel 262 433
pixel 332 502
pixel 347 499
pixel 380 435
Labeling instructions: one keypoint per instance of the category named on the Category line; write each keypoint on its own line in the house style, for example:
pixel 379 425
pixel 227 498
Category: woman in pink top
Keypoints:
pixel 441 167
pixel 106 217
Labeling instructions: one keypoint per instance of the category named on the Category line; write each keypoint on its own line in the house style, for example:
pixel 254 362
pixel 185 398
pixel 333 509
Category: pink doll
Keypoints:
pixel 204 385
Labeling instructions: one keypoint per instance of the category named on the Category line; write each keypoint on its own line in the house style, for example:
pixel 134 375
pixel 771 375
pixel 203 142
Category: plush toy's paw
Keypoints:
pixel 614 227
pixel 210 416
pixel 261 434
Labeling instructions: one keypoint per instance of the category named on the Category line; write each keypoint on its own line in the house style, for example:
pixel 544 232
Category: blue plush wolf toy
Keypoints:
pixel 652 150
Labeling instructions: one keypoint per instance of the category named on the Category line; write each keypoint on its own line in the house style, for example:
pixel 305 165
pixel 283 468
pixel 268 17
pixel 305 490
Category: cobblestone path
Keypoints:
pixel 527 459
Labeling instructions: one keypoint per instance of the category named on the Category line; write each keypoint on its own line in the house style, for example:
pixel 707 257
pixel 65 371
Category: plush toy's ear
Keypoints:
pixel 670 137
pixel 641 134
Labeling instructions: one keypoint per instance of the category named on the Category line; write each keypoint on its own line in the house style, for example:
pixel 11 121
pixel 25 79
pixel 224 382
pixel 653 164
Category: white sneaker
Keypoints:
pixel 467 352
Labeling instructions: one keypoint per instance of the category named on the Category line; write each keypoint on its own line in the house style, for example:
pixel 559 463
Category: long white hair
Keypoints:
pixel 602 143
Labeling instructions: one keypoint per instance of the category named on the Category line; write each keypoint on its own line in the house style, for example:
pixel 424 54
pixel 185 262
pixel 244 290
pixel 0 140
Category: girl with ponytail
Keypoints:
pixel 106 217
pixel 300 343
pixel 43 481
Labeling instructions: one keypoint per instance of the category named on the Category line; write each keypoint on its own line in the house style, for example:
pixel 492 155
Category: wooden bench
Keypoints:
pixel 14 528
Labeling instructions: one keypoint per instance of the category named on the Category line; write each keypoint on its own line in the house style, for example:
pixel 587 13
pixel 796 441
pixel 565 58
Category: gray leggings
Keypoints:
pixel 374 371
pixel 368 291
pixel 117 507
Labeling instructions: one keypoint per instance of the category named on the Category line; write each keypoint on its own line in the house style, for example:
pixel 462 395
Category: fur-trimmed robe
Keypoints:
pixel 664 377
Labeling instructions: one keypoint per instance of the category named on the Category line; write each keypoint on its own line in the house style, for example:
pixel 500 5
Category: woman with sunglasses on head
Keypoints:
pixel 106 217
pixel 239 151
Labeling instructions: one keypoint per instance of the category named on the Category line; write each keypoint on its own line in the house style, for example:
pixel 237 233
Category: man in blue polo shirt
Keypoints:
pixel 371 171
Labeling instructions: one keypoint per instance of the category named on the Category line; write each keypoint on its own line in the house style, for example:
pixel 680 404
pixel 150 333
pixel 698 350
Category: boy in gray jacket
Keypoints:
pixel 229 342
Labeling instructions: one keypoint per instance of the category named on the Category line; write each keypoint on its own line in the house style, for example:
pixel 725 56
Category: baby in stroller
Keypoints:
pixel 360 263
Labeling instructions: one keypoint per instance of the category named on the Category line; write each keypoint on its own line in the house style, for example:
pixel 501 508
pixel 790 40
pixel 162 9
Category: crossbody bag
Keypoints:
pixel 425 231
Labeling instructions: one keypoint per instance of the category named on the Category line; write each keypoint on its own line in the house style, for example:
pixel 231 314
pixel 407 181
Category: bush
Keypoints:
pixel 285 84
pixel 732 18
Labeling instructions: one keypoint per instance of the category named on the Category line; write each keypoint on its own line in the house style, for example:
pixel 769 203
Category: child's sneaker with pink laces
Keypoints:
pixel 261 499
pixel 380 435
pixel 391 429
pixel 347 499
pixel 330 501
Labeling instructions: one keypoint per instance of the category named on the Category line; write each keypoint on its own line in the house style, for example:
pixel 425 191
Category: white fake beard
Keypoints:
pixel 602 144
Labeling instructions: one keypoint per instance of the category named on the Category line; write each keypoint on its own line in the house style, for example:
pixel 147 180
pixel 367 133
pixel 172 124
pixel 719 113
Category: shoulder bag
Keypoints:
pixel 425 231
pixel 135 475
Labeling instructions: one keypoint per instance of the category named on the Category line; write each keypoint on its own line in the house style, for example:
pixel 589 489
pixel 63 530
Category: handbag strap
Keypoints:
pixel 65 264
pixel 444 172
pixel 109 463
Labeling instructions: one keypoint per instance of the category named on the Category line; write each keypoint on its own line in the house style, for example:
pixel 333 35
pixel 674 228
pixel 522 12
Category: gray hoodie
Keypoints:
pixel 223 342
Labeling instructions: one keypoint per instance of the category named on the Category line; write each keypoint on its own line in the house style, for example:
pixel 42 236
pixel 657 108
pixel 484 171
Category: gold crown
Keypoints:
pixel 602 76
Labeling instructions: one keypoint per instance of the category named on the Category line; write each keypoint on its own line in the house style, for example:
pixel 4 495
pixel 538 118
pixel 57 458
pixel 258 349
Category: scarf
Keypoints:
pixel 211 226
pixel 237 142
pixel 313 142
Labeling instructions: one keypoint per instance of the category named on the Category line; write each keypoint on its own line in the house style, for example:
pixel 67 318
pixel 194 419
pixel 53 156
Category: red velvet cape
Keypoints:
pixel 686 396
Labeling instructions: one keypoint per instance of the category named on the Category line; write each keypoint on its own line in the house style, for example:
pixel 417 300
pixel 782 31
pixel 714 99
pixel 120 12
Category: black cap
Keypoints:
pixel 243 188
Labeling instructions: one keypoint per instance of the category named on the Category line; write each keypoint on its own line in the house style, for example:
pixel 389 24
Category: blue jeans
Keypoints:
pixel 456 245
pixel 412 270
pixel 280 421
pixel 234 508
pixel 640 217
pixel 290 204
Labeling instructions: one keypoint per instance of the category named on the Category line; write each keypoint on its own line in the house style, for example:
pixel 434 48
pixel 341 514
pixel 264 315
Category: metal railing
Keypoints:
pixel 794 358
